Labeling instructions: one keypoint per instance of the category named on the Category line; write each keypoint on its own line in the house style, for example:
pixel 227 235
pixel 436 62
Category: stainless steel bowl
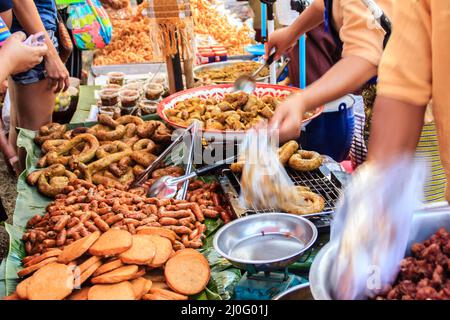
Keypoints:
pixel 300 292
pixel 265 242
pixel 218 65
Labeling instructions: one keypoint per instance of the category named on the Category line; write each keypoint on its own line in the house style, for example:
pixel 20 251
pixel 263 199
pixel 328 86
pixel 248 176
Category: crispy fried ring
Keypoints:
pixel 106 161
pixel 147 129
pixel 314 203
pixel 111 148
pixel 130 119
pixel 130 131
pixel 305 161
pixel 51 131
pixel 108 182
pixel 52 145
pixel 105 133
pixel 145 144
pixel 52 181
pixel 287 151
pixel 107 121
pixel 143 158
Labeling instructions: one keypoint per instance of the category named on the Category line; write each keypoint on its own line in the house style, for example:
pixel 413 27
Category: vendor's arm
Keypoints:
pixel 284 39
pixel 19 57
pixel 28 17
pixel 362 50
pixel 405 84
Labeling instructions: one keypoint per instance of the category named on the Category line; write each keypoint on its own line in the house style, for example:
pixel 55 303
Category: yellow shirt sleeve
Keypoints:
pixel 361 35
pixel 405 72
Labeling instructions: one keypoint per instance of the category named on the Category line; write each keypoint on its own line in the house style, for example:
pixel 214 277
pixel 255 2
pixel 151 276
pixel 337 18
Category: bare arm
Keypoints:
pixel 396 129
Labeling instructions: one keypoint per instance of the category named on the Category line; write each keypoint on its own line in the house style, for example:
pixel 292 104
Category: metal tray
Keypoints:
pixel 218 65
pixel 425 223
pixel 131 68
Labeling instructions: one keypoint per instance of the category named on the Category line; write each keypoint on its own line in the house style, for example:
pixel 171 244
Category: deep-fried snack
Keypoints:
pixel 147 129
pixel 105 133
pixel 140 287
pixel 143 158
pixel 118 291
pixel 167 294
pixel 51 131
pixel 113 241
pixel 163 250
pixel 109 266
pixel 51 282
pixel 52 145
pixel 106 161
pixel 118 275
pixel 81 278
pixel 169 234
pixel 141 252
pixel 308 203
pixel 124 120
pixel 41 257
pixel 22 289
pixel 145 144
pixel 111 148
pixel 81 294
pixel 54 179
pixel 77 248
pixel 29 270
pixel 88 263
pixel 304 160
pixel 287 151
pixel 231 72
pixel 187 274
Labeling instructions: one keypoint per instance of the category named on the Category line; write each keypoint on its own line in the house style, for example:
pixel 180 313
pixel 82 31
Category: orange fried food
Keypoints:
pixel 163 250
pixel 51 282
pixel 81 294
pixel 118 291
pixel 109 266
pixel 113 241
pixel 142 250
pixel 117 275
pixel 78 248
pixel 140 287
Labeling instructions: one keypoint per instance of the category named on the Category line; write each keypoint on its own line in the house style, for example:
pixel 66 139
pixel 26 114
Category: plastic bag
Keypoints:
pixel 265 183
pixel 90 24
pixel 371 228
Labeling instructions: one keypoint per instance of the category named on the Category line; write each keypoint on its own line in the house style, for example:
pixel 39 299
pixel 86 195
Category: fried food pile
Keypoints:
pixel 237 111
pixel 114 265
pixel 300 200
pixel 209 21
pixel 83 208
pixel 426 274
pixel 231 72
pixel 110 153
pixel 131 43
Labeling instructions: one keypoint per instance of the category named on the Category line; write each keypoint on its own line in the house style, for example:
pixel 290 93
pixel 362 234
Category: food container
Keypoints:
pixel 138 86
pixel 116 78
pixel 148 107
pixel 113 112
pixel 425 224
pixel 109 97
pixel 300 292
pixel 112 86
pixel 153 91
pixel 265 242
pixel 129 98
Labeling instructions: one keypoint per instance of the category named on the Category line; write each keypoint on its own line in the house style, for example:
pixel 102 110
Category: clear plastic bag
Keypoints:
pixel 371 228
pixel 265 183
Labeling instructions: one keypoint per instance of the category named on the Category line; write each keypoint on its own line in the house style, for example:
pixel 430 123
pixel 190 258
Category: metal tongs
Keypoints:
pixel 140 179
pixel 247 83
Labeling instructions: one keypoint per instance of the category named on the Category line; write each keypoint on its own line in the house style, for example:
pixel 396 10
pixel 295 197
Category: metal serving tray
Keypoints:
pixel 217 65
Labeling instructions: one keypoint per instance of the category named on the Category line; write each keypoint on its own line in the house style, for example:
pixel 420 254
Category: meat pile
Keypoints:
pixel 426 274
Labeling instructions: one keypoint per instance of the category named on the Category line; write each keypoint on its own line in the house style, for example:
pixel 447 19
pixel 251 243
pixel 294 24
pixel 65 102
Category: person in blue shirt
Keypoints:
pixel 34 91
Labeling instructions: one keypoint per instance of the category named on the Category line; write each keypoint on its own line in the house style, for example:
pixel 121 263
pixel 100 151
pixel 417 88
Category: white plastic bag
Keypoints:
pixel 371 228
pixel 265 183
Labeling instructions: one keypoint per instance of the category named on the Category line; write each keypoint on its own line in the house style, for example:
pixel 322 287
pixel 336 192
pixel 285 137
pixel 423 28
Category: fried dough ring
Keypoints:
pixel 305 161
pixel 105 133
pixel 50 131
pixel 107 121
pixel 314 203
pixel 138 169
pixel 52 145
pixel 147 129
pixel 100 178
pixel 53 180
pixel 286 151
pixel 143 158
pixel 58 155
pixel 120 168
pixel 162 134
pixel 106 161
pixel 111 148
pixel 130 119
pixel 130 131
pixel 75 132
pixel 145 144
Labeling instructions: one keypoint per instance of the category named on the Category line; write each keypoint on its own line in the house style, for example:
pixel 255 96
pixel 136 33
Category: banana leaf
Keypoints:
pixel 30 202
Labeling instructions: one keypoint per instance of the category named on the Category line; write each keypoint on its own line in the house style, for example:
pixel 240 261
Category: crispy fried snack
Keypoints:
pixel 304 160
pixel 111 148
pixel 308 203
pixel 51 131
pixel 118 275
pixel 142 251
pixel 163 250
pixel 54 179
pixel 109 266
pixel 112 242
pixel 78 248
pixel 81 294
pixel 140 287
pixel 117 291
pixel 52 282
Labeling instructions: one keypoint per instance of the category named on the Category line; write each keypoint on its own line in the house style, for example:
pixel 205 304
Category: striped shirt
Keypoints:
pixel 4 32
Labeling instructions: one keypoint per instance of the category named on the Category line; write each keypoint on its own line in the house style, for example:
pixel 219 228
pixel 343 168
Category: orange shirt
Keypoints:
pixel 416 64
pixel 358 31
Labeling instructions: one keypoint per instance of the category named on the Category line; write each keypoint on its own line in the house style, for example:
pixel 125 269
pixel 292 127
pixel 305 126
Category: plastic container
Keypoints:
pixel 111 86
pixel 113 112
pixel 138 86
pixel 153 91
pixel 116 78
pixel 109 97
pixel 148 107
pixel 129 98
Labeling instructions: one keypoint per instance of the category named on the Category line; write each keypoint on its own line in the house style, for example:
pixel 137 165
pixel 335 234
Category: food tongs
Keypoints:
pixel 192 131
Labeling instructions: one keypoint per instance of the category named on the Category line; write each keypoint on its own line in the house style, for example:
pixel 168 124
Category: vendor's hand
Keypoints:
pixel 283 40
pixel 288 118
pixel 22 57
pixel 57 74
